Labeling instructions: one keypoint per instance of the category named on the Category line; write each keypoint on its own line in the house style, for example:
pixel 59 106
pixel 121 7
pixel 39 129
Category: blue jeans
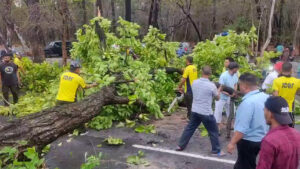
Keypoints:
pixel 209 123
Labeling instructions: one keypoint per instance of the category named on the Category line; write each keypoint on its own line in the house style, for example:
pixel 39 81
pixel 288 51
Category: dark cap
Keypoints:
pixel 233 65
pixel 279 107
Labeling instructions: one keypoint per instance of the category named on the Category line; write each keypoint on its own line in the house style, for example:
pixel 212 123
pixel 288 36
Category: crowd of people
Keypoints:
pixel 264 123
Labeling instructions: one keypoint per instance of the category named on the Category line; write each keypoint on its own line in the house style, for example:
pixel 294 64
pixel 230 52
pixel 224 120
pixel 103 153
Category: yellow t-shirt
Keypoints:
pixel 287 88
pixel 190 74
pixel 69 83
pixel 18 62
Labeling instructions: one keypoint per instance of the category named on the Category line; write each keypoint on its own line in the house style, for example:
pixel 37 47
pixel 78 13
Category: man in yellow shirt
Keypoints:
pixel 69 83
pixel 18 62
pixel 189 75
pixel 286 87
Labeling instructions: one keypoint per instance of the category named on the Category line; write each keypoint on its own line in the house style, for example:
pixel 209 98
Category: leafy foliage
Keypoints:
pixel 92 162
pixel 145 129
pixel 8 156
pixel 114 141
pixel 138 159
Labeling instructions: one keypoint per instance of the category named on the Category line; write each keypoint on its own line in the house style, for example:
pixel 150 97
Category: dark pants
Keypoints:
pixel 211 126
pixel 14 92
pixel 188 99
pixel 59 103
pixel 247 153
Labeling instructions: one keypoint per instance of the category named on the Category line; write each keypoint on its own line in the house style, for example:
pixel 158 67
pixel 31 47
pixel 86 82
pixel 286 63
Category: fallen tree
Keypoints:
pixel 42 128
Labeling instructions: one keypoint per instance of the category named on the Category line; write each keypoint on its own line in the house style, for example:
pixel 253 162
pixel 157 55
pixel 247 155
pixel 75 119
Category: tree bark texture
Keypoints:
pixel 128 10
pixel 35 31
pixel 83 3
pixel 42 128
pixel 296 34
pixel 153 15
pixel 10 24
pixel 63 7
pixel 214 23
pixel 99 7
pixel 188 15
pixel 269 30
pixel 113 14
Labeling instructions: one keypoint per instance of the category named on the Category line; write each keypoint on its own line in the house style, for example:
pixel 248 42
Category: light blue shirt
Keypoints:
pixel 228 80
pixel 250 118
pixel 203 93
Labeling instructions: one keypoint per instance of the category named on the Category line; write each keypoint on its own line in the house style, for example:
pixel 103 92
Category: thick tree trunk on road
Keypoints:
pixel 42 128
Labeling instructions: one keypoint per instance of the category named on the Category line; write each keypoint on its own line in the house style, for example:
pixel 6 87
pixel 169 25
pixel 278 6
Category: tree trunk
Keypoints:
pixel 214 23
pixel 150 13
pixel 128 10
pixel 63 10
pixel 113 14
pixel 270 29
pixel 83 3
pixel 42 128
pixel 10 24
pixel 35 31
pixel 296 32
pixel 3 41
pixel 99 7
pixel 280 20
pixel 153 15
pixel 188 15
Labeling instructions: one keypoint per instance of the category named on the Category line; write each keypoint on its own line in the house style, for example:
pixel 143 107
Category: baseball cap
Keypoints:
pixel 279 107
pixel 278 66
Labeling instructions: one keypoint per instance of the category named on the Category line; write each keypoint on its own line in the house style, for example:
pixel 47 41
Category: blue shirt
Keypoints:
pixel 228 80
pixel 203 93
pixel 250 118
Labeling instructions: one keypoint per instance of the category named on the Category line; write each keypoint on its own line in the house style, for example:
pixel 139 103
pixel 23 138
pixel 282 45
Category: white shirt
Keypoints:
pixel 269 80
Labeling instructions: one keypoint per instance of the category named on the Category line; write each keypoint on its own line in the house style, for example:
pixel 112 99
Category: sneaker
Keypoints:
pixel 219 154
pixel 179 148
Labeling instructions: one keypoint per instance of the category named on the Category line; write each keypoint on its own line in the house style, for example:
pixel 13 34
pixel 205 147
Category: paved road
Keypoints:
pixel 158 148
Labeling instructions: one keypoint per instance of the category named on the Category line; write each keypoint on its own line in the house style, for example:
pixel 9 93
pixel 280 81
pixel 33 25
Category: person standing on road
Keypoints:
pixel 229 79
pixel 287 86
pixel 189 75
pixel 204 91
pixel 280 149
pixel 10 79
pixel 273 75
pixel 250 124
pixel 69 83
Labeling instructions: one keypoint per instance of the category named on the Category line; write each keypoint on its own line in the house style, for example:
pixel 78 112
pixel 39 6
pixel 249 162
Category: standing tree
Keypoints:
pixel 214 23
pixel 35 31
pixel 153 15
pixel 64 12
pixel 113 14
pixel 128 10
pixel 270 29
pixel 11 27
pixel 187 11
pixel 99 7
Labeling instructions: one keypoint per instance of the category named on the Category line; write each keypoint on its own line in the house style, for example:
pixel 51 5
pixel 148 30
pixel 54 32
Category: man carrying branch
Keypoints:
pixel 69 83
pixel 189 75
pixel 10 78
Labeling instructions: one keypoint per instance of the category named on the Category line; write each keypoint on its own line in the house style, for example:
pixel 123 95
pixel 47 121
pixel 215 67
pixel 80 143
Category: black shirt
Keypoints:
pixel 9 74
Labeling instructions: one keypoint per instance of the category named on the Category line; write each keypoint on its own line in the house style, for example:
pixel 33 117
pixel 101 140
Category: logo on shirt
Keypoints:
pixel 9 70
pixel 69 78
pixel 288 85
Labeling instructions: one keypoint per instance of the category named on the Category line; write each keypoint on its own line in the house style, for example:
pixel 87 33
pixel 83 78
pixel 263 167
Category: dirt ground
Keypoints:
pixel 69 152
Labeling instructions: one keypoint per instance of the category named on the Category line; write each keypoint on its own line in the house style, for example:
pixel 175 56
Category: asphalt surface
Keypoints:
pixel 69 152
